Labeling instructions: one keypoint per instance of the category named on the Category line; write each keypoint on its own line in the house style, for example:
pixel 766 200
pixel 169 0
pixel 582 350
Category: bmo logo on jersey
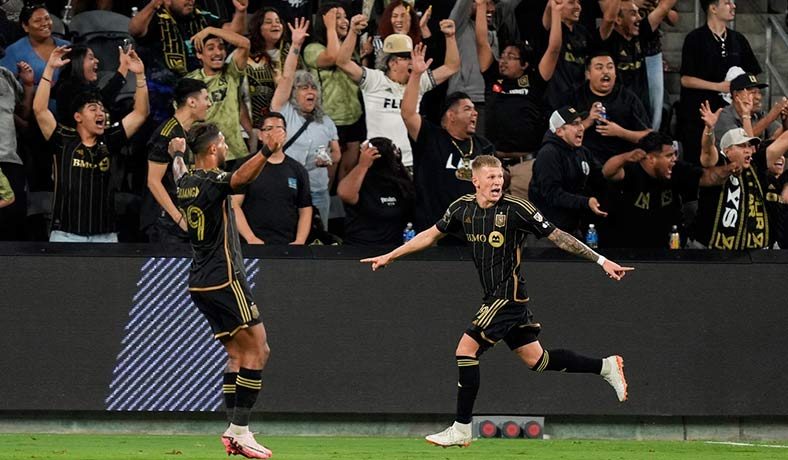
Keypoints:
pixel 495 238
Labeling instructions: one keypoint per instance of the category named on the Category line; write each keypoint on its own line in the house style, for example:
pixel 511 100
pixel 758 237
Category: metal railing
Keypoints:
pixel 773 76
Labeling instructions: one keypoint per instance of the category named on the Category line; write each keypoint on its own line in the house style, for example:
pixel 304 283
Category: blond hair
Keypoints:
pixel 483 161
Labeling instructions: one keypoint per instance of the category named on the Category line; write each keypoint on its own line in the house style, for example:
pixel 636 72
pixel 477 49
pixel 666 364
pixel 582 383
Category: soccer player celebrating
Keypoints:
pixel 217 282
pixel 496 224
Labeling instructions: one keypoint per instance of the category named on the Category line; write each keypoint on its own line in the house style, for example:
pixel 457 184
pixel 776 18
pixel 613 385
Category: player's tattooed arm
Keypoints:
pixel 572 245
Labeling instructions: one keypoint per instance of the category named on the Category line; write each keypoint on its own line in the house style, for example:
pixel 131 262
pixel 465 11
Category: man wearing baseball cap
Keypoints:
pixel 733 216
pixel 560 184
pixel 743 113
pixel 384 86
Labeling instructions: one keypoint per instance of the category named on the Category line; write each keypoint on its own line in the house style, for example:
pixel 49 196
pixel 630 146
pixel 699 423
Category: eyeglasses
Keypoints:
pixel 271 128
pixel 723 51
pixel 510 57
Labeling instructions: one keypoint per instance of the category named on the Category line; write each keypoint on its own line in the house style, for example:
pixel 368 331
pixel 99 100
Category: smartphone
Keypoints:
pixel 127 45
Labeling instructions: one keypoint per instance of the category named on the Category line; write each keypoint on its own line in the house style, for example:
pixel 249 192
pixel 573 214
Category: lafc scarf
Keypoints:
pixel 741 221
pixel 176 50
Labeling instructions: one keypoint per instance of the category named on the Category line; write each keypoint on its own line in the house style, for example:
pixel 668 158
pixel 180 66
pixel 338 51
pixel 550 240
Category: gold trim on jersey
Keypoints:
pixel 519 252
pixel 226 254
pixel 171 124
pixel 522 202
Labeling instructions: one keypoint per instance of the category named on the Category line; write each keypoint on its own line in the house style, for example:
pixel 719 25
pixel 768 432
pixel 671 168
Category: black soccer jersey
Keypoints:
pixel 203 198
pixel 84 203
pixel 496 235
pixel 158 145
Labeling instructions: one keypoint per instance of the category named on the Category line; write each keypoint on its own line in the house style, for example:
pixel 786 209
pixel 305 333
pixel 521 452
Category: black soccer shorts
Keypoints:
pixel 503 319
pixel 228 309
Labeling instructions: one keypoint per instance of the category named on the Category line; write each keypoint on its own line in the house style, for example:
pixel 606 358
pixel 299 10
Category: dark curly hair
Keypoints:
pixel 384 22
pixel 256 39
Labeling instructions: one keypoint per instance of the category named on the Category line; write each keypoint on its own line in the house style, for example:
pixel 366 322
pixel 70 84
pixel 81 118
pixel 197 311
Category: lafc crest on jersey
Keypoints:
pixel 500 220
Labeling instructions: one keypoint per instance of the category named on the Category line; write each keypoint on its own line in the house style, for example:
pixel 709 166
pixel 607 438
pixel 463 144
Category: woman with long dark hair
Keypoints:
pixel 378 194
pixel 81 74
pixel 399 17
pixel 270 42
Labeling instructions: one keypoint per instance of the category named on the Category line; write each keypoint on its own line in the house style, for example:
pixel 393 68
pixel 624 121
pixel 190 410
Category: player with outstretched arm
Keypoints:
pixel 495 225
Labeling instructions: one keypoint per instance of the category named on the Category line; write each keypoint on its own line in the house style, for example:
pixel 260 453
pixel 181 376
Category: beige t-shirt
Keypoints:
pixel 225 112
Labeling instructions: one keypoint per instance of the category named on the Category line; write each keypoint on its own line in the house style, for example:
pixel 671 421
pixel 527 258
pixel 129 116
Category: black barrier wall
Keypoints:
pixel 115 333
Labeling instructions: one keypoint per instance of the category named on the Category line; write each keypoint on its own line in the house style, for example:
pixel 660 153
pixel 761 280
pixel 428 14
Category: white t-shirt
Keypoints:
pixel 382 102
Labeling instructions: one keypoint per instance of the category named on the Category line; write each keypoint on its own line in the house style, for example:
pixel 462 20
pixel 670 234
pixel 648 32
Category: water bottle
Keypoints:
pixel 408 233
pixel 134 11
pixel 592 238
pixel 675 239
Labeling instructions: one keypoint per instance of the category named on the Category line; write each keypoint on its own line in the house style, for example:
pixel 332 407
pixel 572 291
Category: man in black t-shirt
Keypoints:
pixel 84 203
pixel 577 41
pixel 624 43
pixel 707 54
pixel 442 155
pixel 276 208
pixel 159 217
pixel 217 279
pixel 514 92
pixel 616 118
pixel 495 226
pixel 163 31
pixel 649 188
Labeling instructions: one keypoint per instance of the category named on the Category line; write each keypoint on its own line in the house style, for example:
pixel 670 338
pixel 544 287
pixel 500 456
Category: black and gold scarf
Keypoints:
pixel 741 221
pixel 175 48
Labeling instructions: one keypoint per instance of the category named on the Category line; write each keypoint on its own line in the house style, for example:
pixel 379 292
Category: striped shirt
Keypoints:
pixel 496 235
pixel 84 202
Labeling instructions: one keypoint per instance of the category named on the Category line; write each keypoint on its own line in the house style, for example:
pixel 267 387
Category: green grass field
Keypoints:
pixel 111 447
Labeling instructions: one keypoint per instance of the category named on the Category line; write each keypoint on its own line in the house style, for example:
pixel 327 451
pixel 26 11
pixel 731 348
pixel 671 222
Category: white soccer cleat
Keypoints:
pixel 459 434
pixel 244 444
pixel 613 372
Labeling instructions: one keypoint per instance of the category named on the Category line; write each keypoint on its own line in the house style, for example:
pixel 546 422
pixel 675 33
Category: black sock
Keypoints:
pixel 567 361
pixel 247 387
pixel 228 390
pixel 470 377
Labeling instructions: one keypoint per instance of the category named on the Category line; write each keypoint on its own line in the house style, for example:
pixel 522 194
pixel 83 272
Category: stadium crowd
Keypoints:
pixel 385 104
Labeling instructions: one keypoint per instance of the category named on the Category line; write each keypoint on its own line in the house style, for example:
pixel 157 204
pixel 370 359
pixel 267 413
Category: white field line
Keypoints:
pixel 747 444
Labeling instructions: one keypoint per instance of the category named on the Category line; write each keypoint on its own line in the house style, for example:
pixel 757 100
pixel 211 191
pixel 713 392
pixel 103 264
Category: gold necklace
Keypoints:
pixel 463 171
pixel 462 154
